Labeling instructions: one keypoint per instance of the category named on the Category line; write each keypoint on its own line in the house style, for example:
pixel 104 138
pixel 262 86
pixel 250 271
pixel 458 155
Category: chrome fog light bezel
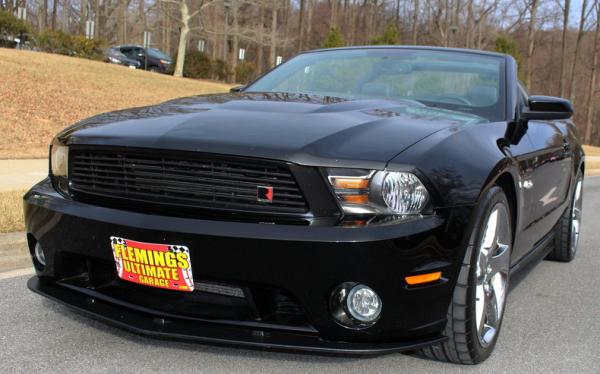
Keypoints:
pixel 342 310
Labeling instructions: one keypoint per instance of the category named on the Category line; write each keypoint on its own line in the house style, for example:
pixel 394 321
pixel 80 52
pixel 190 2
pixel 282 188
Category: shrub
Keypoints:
pixel 389 37
pixel 57 41
pixel 197 65
pixel 505 44
pixel 220 70
pixel 334 39
pixel 88 48
pixel 11 25
pixel 244 72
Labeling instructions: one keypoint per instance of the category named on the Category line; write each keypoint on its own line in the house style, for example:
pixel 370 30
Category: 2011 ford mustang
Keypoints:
pixel 357 200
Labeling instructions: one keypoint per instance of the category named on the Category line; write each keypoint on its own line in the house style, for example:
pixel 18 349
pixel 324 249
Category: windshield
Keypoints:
pixel 463 82
pixel 152 52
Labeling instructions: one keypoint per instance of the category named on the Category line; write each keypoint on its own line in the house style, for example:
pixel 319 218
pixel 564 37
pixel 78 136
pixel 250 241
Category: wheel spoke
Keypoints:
pixel 493 263
pixel 490 232
pixel 492 311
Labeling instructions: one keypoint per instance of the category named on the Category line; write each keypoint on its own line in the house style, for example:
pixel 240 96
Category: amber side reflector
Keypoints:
pixel 356 199
pixel 414 280
pixel 351 183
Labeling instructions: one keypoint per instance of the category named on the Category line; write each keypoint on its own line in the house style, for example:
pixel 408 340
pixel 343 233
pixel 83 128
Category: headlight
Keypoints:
pixel 59 160
pixel 378 192
pixel 114 60
pixel 165 62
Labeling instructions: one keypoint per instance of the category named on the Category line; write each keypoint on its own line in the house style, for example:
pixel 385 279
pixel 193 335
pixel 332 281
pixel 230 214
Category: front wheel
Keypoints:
pixel 477 307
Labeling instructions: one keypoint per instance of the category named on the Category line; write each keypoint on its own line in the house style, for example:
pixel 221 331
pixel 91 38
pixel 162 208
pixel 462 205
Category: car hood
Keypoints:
pixel 304 129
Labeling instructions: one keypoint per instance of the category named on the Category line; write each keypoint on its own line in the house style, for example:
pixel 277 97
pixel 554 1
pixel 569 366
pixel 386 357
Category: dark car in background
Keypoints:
pixel 150 59
pixel 360 200
pixel 115 56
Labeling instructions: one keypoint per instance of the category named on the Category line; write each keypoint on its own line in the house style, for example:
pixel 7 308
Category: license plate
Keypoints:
pixel 156 265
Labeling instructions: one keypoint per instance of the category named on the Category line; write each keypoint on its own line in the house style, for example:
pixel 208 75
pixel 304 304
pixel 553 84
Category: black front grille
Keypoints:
pixel 179 181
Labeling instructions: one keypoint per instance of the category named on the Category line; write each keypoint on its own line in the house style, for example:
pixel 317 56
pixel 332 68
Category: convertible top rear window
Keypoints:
pixel 464 82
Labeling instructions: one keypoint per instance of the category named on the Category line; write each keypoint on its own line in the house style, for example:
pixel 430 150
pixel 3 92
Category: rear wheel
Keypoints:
pixel 477 307
pixel 566 238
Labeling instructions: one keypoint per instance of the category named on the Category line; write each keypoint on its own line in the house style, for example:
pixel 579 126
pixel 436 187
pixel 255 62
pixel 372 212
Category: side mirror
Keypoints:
pixel 237 89
pixel 547 108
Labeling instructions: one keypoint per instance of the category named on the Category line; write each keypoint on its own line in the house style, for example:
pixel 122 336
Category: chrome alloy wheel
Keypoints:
pixel 492 274
pixel 576 215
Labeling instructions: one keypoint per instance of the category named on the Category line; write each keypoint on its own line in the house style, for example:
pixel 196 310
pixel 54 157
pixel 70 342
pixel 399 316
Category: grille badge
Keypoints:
pixel 264 194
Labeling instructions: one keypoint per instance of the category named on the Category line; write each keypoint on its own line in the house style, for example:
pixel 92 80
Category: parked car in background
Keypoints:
pixel 149 58
pixel 114 56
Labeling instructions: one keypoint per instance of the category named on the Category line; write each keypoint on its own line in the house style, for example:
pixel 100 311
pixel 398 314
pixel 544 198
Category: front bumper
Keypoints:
pixel 304 262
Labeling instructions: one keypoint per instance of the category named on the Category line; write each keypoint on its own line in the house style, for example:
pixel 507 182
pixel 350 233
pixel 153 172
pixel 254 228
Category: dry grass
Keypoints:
pixel 591 150
pixel 592 166
pixel 42 93
pixel 11 206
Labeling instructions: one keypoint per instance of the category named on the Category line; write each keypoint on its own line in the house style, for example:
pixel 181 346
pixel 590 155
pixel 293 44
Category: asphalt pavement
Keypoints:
pixel 552 325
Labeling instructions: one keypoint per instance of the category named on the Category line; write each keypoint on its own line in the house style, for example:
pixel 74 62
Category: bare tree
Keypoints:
pixel 531 30
pixel 54 13
pixel 273 46
pixel 580 32
pixel 185 19
pixel 563 53
pixel 415 21
pixel 301 26
pixel 592 82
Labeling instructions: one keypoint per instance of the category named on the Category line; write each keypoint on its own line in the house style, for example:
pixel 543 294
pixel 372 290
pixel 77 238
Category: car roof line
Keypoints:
pixel 410 47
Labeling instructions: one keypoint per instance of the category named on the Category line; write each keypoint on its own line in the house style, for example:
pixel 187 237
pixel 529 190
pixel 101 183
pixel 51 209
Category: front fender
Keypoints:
pixel 458 163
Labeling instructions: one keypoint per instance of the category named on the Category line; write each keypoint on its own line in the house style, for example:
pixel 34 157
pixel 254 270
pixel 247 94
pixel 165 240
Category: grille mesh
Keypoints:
pixel 206 182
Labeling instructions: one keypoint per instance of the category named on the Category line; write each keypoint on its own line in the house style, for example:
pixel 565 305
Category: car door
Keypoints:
pixel 547 185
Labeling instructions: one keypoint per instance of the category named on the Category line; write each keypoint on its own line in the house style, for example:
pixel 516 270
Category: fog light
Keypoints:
pixel 363 303
pixel 355 305
pixel 39 254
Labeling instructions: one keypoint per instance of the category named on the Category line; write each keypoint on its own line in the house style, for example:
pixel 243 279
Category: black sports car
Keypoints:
pixel 357 200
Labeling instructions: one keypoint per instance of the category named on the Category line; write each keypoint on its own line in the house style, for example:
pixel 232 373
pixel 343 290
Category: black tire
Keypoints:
pixel 464 345
pixel 565 245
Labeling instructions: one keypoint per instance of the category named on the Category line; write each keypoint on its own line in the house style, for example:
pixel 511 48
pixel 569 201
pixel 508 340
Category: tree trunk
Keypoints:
pixel 446 34
pixel 582 19
pixel 273 48
pixel 531 40
pixel 301 26
pixel 309 18
pixel 44 16
pixel 563 53
pixel 235 39
pixel 183 38
pixel 261 40
pixel 123 21
pixel 66 13
pixel 333 13
pixel 592 83
pixel 54 12
pixel 415 22
pixel 470 25
pixel 83 15
pixel 142 16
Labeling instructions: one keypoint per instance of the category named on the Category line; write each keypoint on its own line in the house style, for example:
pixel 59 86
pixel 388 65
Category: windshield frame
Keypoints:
pixel 495 113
